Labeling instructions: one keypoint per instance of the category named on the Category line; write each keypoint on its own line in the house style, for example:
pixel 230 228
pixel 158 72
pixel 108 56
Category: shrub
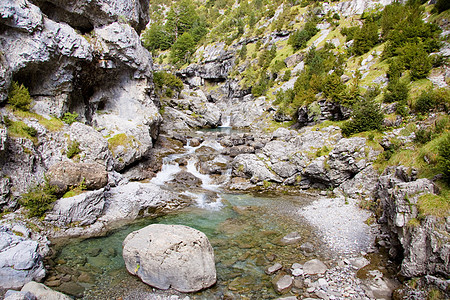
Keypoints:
pixel 396 91
pixel 70 118
pixel 286 75
pixel 182 49
pixel 423 136
pixel 444 157
pixel 73 149
pixel 31 131
pixel 425 102
pixel 367 115
pixel 19 97
pixel 299 38
pixel 38 199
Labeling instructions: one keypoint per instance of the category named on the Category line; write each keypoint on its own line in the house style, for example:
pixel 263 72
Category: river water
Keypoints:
pixel 244 229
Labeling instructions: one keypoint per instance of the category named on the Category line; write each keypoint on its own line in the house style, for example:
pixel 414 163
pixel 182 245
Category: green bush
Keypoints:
pixel 182 49
pixel 366 115
pixel 444 157
pixel 38 199
pixel 31 131
pixel 396 92
pixel 286 75
pixel 19 97
pixel 423 136
pixel 168 81
pixel 299 38
pixel 73 149
pixel 70 118
pixel 425 102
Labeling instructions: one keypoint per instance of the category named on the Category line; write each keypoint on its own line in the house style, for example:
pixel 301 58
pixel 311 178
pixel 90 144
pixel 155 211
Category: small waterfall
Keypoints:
pixel 206 179
pixel 201 200
pixel 168 170
pixel 226 122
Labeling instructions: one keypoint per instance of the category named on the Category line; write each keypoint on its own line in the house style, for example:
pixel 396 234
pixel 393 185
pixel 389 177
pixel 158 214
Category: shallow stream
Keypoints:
pixel 244 229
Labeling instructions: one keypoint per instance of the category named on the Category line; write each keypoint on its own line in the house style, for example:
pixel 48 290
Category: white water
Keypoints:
pixel 170 168
pixel 226 122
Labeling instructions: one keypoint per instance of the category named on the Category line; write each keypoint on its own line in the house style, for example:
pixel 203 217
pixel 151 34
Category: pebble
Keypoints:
pixel 273 269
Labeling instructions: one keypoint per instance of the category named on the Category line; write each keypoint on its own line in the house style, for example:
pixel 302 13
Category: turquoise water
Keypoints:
pixel 244 233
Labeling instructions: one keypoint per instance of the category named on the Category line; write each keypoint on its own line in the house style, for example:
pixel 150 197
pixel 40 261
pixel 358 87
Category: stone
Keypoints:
pixel 307 247
pixel 167 256
pixel 273 269
pixel 41 292
pixel 291 238
pixel 20 261
pixel 359 262
pixel 83 209
pixel 67 174
pixel 16 295
pixel 314 266
pixel 283 284
pixel 250 166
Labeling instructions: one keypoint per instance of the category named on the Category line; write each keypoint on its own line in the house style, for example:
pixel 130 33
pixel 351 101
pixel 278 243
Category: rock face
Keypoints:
pixel 20 261
pixel 167 256
pixel 83 57
pixel 423 245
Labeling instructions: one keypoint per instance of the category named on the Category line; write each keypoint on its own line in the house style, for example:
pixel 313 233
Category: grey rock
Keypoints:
pixel 359 262
pixel 85 15
pixel 291 238
pixel 20 261
pixel 424 247
pixel 42 292
pixel 83 209
pixel 92 144
pixel 314 266
pixel 174 256
pixel 3 138
pixel 364 184
pixel 16 295
pixel 273 269
pixel 21 15
pixel 283 284
pixel 67 174
pixel 250 166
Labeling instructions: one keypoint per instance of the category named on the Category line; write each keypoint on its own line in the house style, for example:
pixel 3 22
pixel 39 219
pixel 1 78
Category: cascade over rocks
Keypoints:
pixel 167 256
pixel 424 247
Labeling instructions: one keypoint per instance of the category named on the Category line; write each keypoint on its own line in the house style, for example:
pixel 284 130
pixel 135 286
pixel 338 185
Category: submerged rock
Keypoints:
pixel 167 256
pixel 314 266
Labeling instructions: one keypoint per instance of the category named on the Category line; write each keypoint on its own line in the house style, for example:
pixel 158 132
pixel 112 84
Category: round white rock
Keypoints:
pixel 166 256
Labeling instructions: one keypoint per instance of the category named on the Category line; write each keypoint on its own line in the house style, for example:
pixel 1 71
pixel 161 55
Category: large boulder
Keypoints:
pixel 67 174
pixel 20 261
pixel 167 256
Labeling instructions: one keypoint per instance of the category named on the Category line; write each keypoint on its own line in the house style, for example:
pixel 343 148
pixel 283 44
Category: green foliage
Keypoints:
pixel 434 205
pixel 442 5
pixel 182 49
pixel 19 97
pixel 425 102
pixel 156 37
pixel 70 118
pixel 73 149
pixel 366 115
pixel 74 191
pixel 243 52
pixel 444 157
pixel 396 91
pixel 286 75
pixel 334 89
pixel 299 38
pixel 365 38
pixel 262 85
pixel 20 129
pixel 423 136
pixel 167 82
pixel 38 199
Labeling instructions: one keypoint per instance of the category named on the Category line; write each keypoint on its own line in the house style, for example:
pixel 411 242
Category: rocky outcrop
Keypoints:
pixel 93 213
pixel 83 57
pixel 20 261
pixel 167 256
pixel 320 111
pixel 216 64
pixel 422 242
pixel 86 15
